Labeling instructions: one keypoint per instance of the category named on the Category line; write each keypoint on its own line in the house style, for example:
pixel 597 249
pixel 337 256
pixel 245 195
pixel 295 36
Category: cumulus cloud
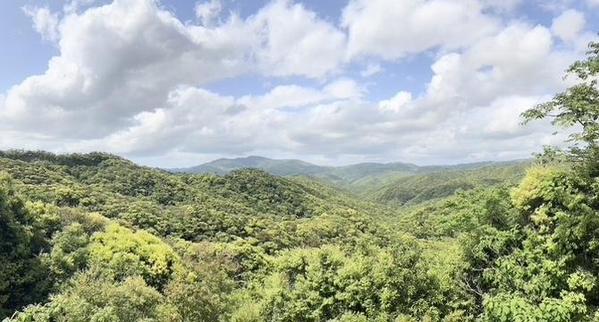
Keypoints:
pixel 208 11
pixel 45 22
pixel 518 60
pixel 397 102
pixel 297 41
pixel 471 105
pixel 497 120
pixel 371 69
pixel 116 61
pixel 344 88
pixel 131 78
pixel 394 29
pixel 123 58
pixel 568 25
pixel 285 96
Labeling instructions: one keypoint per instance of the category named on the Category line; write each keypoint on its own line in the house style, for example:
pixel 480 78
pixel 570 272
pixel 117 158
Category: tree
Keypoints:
pixel 324 283
pixel 578 105
pixel 549 273
pixel 121 253
pixel 22 274
pixel 93 297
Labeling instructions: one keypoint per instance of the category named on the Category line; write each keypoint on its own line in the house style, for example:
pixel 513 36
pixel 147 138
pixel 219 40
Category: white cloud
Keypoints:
pixel 296 41
pixel 208 11
pixel 189 112
pixel 568 25
pixel 131 78
pixel 297 96
pixel 519 60
pixel 121 59
pixel 500 118
pixel 371 69
pixel 397 102
pixel 344 88
pixel 283 96
pixel 118 60
pixel 393 29
pixel 45 22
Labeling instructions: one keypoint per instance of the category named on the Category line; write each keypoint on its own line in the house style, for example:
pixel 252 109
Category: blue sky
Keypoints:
pixel 176 83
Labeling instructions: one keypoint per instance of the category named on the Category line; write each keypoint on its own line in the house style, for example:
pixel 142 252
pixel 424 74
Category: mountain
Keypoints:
pixel 340 175
pixel 361 175
pixel 142 196
pixel 272 166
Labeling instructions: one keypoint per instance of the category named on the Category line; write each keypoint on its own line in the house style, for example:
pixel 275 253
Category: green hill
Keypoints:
pixel 276 167
pixel 75 218
pixel 355 177
pixel 95 236
pixel 414 189
pixel 143 196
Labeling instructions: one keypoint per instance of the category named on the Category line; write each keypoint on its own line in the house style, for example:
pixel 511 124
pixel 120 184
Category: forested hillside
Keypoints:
pixel 95 237
pixel 276 167
pixel 415 189
pixel 356 177
pixel 97 225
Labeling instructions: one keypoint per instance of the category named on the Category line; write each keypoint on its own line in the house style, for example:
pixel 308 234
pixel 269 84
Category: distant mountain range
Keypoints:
pixel 355 174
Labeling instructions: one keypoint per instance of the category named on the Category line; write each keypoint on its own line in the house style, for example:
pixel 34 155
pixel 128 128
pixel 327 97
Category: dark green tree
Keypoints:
pixel 22 274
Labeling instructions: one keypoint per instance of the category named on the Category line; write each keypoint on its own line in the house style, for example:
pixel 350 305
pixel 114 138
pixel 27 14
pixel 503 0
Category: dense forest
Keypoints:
pixel 394 182
pixel 95 237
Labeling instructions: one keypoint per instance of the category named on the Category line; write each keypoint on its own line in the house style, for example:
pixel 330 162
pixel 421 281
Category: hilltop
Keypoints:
pixel 360 175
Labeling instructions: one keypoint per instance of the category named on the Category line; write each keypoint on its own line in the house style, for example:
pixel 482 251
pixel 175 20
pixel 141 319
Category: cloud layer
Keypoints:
pixel 132 78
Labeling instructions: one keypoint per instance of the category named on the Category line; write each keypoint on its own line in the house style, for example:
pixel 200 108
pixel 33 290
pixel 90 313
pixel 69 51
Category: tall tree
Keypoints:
pixel 577 105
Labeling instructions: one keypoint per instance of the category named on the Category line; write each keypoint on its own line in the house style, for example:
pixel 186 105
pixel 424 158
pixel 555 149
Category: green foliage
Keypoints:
pixel 251 246
pixel 239 261
pixel 544 267
pixel 69 253
pixel 191 299
pixel 544 270
pixel 22 274
pixel 120 253
pixel 508 307
pixel 326 283
pixel 93 298
pixel 416 189
pixel 465 212
pixel 101 219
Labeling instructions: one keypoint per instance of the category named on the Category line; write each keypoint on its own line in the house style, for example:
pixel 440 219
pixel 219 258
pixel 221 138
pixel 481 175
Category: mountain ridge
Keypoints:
pixel 338 174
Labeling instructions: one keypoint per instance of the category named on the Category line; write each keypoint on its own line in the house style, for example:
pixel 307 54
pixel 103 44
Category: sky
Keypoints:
pixel 178 83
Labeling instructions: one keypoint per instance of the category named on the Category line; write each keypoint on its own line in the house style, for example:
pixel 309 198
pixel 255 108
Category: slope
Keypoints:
pixel 355 177
pixel 414 189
